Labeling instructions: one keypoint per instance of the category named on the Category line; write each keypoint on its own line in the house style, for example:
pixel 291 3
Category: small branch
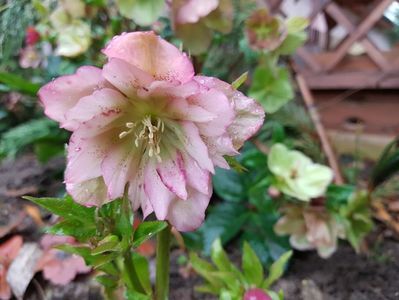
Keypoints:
pixel 325 142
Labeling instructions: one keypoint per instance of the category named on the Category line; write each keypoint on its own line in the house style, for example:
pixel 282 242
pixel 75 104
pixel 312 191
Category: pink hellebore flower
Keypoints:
pixel 256 294
pixel 145 120
pixel 59 267
pixel 8 251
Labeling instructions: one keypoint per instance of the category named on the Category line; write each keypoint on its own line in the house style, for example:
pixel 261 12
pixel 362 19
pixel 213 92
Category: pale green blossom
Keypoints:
pixel 296 174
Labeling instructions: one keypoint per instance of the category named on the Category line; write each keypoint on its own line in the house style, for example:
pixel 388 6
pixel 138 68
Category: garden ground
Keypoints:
pixel 345 276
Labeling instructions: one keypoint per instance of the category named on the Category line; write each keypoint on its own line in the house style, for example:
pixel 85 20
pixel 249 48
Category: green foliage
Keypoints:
pixel 248 212
pixel 39 132
pixel 143 12
pixel 17 83
pixel 239 81
pixel 147 230
pixel 386 166
pixel 107 238
pixel 271 87
pixel 352 210
pixel 224 279
pixel 296 35
pixel 251 265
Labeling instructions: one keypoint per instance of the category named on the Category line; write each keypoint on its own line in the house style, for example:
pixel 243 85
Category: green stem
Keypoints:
pixel 162 264
pixel 131 274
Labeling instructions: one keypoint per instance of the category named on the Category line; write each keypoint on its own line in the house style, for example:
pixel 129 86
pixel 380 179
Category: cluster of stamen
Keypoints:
pixel 149 133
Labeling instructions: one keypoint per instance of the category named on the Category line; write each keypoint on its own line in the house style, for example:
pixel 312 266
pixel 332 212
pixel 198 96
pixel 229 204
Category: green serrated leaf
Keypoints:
pixel 66 207
pixel 205 269
pixel 110 243
pixel 277 270
pixel 219 256
pixel 147 230
pixel 143 271
pixel 240 80
pixel 251 265
pixel 72 227
pixel 109 282
pixel 95 261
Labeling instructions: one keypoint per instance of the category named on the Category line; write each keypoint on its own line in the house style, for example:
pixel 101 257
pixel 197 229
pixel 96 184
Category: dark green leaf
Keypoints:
pixel 224 221
pixel 386 166
pixel 228 185
pixel 73 227
pixel 109 244
pixel 338 195
pixel 66 207
pixel 143 271
pixel 147 230
pixel 46 150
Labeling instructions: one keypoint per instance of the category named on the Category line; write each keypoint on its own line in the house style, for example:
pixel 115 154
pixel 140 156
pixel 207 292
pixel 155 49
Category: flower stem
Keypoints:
pixel 162 264
pixel 128 266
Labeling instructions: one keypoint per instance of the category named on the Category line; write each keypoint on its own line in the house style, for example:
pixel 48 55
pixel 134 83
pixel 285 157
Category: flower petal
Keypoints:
pixel 249 115
pixel 85 154
pixel 193 10
pixel 104 102
pixel 92 192
pixel 61 94
pixel 158 194
pixel 172 174
pixel 219 147
pixel 116 167
pixel 126 77
pixel 195 146
pixel 152 54
pixel 138 196
pixel 188 215
pixel 217 103
pixel 197 177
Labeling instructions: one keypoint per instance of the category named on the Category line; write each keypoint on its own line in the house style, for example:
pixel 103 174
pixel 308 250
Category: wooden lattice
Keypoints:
pixel 335 68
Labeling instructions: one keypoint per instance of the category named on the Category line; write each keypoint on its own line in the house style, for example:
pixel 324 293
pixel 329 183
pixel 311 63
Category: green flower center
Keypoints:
pixel 147 135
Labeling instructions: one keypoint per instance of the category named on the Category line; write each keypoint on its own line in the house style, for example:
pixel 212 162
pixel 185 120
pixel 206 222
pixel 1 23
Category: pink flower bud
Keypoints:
pixel 256 294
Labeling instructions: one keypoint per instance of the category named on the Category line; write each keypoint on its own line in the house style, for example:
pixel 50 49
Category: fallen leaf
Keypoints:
pixel 34 213
pixel 23 268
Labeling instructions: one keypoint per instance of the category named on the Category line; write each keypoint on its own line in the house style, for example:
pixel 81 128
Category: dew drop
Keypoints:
pixel 77 149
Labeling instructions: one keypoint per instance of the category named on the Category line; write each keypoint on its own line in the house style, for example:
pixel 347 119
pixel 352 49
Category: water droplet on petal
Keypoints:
pixel 77 149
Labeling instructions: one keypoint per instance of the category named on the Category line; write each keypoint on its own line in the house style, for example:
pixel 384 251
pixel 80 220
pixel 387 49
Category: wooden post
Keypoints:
pixel 314 115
